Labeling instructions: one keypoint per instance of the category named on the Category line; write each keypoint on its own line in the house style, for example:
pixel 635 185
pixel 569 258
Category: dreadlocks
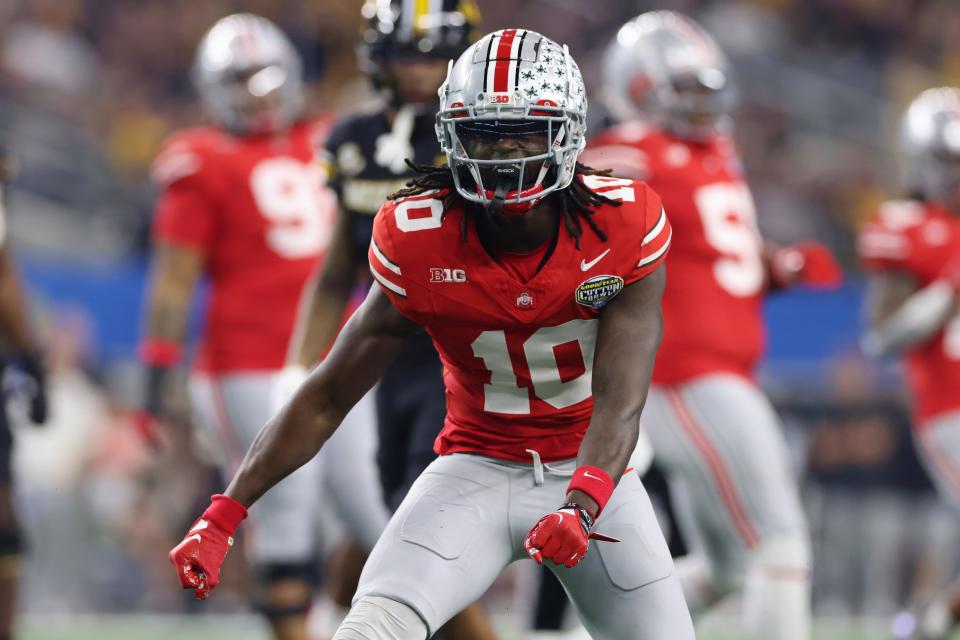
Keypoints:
pixel 576 203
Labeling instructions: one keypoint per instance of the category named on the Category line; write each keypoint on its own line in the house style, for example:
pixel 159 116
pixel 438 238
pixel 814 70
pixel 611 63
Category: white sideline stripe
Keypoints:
pixel 656 229
pixel 653 256
pixel 384 260
pixel 400 291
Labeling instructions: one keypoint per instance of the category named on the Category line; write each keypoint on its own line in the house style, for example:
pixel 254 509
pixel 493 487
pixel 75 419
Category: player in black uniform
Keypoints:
pixel 20 355
pixel 405 50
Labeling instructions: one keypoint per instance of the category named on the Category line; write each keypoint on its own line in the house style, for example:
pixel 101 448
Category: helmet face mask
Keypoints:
pixel 700 105
pixel 930 146
pixel 663 68
pixel 512 120
pixel 249 76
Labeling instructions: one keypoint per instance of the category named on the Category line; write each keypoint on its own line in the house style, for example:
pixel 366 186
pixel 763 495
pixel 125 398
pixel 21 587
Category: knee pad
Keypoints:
pixel 379 618
pixel 285 590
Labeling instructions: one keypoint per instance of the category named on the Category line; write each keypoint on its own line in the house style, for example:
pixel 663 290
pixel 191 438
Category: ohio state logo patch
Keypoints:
pixel 598 291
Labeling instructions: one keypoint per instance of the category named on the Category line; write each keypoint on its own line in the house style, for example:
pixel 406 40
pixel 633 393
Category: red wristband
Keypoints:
pixel 225 512
pixel 595 482
pixel 160 353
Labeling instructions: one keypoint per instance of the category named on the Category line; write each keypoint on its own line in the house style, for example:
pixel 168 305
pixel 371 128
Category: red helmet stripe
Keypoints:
pixel 501 73
pixel 248 40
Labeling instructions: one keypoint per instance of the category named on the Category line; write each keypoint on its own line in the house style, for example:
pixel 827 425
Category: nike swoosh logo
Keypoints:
pixel 201 524
pixel 197 537
pixel 586 266
pixel 587 474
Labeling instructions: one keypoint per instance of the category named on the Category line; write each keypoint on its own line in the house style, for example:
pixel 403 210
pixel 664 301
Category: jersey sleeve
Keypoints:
pixel 648 233
pixel 900 237
pixel 385 261
pixel 328 156
pixel 184 214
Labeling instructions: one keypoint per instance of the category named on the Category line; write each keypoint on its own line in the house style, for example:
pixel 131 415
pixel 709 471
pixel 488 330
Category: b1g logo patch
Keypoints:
pixel 598 291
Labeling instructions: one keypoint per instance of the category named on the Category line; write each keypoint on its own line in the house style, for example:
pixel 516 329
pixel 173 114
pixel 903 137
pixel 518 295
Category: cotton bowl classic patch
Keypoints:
pixel 598 291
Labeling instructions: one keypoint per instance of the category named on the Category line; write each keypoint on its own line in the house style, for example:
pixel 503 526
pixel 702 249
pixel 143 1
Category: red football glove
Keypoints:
pixel 200 554
pixel 562 536
pixel 808 263
pixel 149 428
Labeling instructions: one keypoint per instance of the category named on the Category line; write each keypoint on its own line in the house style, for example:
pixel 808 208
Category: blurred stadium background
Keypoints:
pixel 88 89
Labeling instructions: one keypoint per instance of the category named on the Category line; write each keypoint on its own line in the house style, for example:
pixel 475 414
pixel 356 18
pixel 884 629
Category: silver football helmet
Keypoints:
pixel 249 76
pixel 662 67
pixel 930 144
pixel 517 86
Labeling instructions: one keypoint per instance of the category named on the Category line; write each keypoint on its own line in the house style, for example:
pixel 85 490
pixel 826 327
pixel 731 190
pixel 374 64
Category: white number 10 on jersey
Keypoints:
pixel 504 395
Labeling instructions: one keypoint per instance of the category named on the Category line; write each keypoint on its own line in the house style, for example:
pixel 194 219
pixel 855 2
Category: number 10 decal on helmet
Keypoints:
pixel 512 120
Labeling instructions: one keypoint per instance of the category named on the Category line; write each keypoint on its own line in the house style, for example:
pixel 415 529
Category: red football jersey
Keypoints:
pixel 257 208
pixel 517 356
pixel 715 273
pixel 918 239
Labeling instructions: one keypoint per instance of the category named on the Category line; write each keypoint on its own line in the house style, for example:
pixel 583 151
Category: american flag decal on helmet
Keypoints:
pixel 503 55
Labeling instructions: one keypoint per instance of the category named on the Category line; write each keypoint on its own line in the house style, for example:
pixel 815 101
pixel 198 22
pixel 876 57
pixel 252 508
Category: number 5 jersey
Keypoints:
pixel 516 344
pixel 716 277
pixel 257 210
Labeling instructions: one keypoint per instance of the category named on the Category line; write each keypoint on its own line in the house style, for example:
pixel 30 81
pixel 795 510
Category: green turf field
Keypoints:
pixel 244 627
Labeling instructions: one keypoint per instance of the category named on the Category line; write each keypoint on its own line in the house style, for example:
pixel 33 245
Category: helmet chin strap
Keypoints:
pixel 506 178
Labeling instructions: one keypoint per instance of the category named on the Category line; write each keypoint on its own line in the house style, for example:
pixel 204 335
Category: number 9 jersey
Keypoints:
pixel 517 349
pixel 716 276
pixel 257 210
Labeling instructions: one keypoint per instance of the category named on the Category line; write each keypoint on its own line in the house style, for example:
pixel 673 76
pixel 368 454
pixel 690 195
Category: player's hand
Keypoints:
pixel 562 536
pixel 808 263
pixel 28 380
pixel 199 556
pixel 150 427
pixel 285 384
pixel 151 419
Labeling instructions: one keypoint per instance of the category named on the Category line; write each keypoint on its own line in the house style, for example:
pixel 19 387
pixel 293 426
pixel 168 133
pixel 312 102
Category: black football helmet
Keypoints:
pixel 403 28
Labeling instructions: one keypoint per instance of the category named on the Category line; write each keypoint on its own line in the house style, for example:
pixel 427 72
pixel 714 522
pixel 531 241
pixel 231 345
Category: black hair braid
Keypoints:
pixel 576 203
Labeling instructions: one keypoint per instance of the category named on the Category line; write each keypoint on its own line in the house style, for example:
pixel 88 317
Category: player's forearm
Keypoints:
pixel 629 334
pixel 286 443
pixel 913 322
pixel 167 320
pixel 317 325
pixel 614 427
pixel 173 277
pixel 321 313
pixel 13 316
pixel 369 342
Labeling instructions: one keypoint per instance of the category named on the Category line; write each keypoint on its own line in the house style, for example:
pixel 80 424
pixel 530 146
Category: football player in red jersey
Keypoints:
pixel 243 204
pixel 713 431
pixel 912 250
pixel 405 48
pixel 539 280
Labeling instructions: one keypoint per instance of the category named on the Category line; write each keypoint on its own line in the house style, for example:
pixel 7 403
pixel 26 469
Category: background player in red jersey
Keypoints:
pixel 912 248
pixel 243 204
pixel 539 281
pixel 20 355
pixel 713 431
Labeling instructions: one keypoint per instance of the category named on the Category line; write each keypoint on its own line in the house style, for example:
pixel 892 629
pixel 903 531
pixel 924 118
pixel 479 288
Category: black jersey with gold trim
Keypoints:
pixel 364 161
